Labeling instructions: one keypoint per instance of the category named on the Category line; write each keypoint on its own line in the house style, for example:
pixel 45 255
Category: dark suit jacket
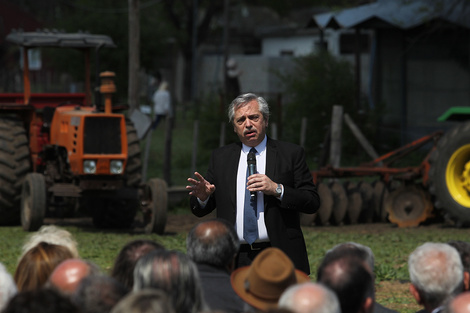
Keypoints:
pixel 217 289
pixel 285 164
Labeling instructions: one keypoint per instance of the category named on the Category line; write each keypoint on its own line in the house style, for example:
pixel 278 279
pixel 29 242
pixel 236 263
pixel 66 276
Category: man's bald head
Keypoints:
pixel 309 298
pixel 68 274
pixel 460 304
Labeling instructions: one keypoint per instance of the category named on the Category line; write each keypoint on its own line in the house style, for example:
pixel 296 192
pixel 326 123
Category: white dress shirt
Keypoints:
pixel 241 187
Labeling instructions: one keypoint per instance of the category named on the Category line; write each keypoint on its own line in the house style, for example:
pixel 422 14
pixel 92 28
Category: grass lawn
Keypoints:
pixel 391 246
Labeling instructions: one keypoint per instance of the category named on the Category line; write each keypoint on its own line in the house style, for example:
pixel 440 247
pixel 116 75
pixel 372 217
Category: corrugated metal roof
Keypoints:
pixel 59 39
pixel 403 14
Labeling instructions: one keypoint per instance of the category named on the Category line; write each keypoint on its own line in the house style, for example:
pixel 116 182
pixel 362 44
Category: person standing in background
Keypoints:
pixel 161 104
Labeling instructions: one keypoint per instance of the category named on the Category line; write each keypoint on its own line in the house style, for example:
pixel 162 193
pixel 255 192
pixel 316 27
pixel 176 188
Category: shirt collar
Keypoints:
pixel 259 148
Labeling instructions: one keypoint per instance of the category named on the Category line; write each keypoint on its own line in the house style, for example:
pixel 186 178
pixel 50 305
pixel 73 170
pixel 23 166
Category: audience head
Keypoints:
pixel 98 294
pixel 35 267
pixel 345 273
pixel 124 264
pixel 363 252
pixel 309 298
pixel 42 300
pixel 7 286
pixel 463 248
pixel 52 235
pixel 436 274
pixel 145 301
pixel 459 304
pixel 262 283
pixel 68 274
pixel 214 242
pixel 174 273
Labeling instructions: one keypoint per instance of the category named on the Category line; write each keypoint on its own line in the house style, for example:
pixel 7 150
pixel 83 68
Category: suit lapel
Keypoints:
pixel 271 156
pixel 232 163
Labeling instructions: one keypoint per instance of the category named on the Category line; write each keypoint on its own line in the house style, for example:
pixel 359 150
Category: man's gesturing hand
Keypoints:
pixel 200 187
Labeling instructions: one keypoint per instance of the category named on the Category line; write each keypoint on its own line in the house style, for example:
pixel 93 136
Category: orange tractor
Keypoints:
pixel 61 155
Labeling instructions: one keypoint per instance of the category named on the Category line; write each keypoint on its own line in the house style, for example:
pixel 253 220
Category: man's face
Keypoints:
pixel 249 124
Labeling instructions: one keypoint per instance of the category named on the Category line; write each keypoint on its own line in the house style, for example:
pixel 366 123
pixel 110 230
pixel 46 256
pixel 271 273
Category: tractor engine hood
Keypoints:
pixel 91 138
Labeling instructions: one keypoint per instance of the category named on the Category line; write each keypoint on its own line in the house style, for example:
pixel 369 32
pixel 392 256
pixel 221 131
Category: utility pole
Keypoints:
pixel 134 51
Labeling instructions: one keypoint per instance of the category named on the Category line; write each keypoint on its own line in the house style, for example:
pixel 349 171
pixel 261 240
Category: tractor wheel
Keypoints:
pixel 408 206
pixel 156 198
pixel 134 163
pixel 449 175
pixel 14 165
pixel 33 201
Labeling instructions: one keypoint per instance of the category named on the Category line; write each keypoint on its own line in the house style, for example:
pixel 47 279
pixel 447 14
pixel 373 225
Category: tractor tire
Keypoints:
pixel 134 163
pixel 449 175
pixel 33 202
pixel 155 216
pixel 14 165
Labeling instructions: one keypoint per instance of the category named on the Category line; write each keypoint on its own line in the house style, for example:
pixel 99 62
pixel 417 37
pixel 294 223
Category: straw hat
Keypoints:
pixel 262 283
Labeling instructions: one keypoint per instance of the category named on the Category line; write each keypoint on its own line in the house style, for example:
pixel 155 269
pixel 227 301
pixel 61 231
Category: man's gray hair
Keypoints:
pixel 436 271
pixel 309 298
pixel 51 234
pixel 244 99
pixel 7 286
pixel 173 272
pixel 217 247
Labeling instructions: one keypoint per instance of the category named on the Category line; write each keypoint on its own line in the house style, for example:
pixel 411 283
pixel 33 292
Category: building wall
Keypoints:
pixel 257 73
pixel 435 81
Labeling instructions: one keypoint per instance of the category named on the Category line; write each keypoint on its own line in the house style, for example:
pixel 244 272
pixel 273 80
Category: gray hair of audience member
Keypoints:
pixel 7 286
pixel 53 235
pixel 436 272
pixel 98 294
pixel 365 252
pixel 244 99
pixel 145 301
pixel 131 252
pixel 214 242
pixel 173 272
pixel 309 297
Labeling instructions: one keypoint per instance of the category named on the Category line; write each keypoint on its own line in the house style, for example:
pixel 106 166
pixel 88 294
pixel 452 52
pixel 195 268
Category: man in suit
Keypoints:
pixel 282 186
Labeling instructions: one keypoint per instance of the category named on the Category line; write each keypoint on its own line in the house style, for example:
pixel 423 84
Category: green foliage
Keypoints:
pixel 317 83
pixel 110 17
